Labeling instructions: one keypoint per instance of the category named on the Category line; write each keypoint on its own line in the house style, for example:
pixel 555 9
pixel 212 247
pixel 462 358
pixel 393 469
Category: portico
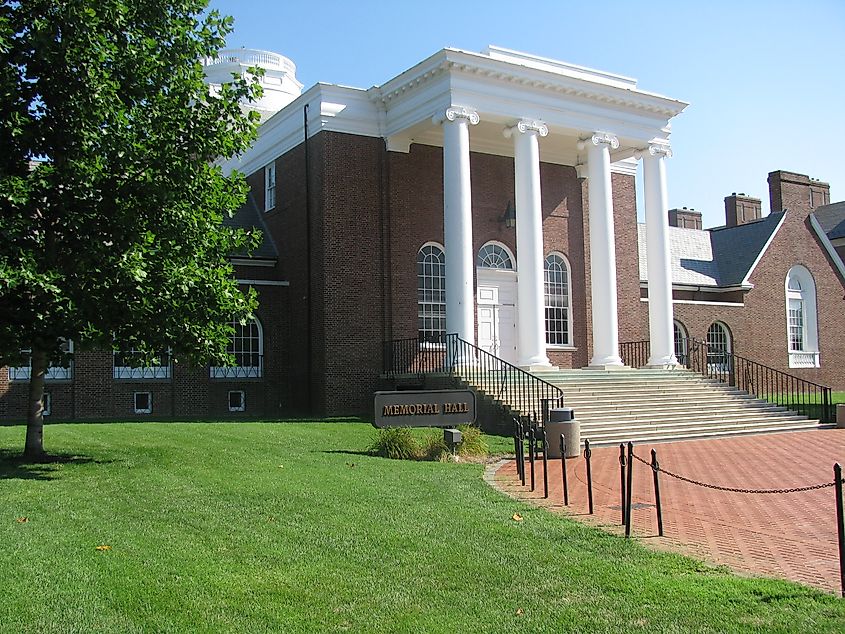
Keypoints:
pixel 533 109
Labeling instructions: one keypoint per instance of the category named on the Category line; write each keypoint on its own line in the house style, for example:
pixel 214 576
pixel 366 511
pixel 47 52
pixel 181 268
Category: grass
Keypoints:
pixel 275 527
pixel 810 404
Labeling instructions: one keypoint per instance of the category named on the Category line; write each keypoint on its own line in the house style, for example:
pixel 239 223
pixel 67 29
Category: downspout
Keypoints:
pixel 308 330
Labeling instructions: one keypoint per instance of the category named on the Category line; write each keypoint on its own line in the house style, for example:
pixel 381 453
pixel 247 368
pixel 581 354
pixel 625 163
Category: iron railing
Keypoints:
pixel 487 373
pixel 762 381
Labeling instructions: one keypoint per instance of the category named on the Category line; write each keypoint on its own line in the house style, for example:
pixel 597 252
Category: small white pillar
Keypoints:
pixel 457 217
pixel 602 251
pixel 661 332
pixel 531 333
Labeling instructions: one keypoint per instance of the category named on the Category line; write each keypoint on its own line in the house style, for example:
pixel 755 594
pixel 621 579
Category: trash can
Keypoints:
pixel 562 421
pixel 840 416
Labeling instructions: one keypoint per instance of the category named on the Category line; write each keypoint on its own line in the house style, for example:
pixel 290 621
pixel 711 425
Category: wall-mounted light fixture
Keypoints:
pixel 509 217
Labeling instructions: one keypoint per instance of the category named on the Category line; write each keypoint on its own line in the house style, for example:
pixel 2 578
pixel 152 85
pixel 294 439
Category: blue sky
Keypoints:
pixel 764 79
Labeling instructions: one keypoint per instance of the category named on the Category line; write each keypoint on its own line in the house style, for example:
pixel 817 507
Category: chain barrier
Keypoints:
pixel 717 487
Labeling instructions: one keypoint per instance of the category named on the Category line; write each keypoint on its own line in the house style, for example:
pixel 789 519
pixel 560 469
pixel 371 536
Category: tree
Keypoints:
pixel 110 201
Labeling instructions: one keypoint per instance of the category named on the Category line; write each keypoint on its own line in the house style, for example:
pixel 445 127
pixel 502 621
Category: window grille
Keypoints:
pixel 494 256
pixel 62 371
pixel 557 300
pixel 431 294
pixel 247 346
pixel 681 338
pixel 132 364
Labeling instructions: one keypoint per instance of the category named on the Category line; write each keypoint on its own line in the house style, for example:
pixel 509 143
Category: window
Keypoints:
pixel 431 294
pixel 132 364
pixel 60 371
pixel 494 256
pixel 801 319
pixel 270 187
pixel 247 346
pixel 558 300
pixel 237 401
pixel 718 347
pixel 143 402
pixel 681 342
pixel 48 404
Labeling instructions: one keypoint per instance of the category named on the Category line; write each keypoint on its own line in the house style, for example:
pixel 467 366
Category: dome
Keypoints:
pixel 279 82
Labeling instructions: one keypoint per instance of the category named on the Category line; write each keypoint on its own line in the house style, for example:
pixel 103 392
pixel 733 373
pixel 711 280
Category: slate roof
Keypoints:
pixel 248 217
pixel 832 219
pixel 718 257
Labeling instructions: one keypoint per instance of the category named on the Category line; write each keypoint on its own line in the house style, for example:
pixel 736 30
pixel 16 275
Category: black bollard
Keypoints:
pixel 840 524
pixel 655 467
pixel 587 455
pixel 622 495
pixel 563 470
pixel 532 438
pixel 545 464
pixel 630 486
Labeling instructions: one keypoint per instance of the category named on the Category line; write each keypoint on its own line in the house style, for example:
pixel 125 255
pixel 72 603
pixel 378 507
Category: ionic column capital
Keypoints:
pixel 661 149
pixel 524 126
pixel 457 112
pixel 599 138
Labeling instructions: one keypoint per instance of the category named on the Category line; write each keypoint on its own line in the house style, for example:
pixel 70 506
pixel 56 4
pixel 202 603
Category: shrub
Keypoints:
pixel 434 448
pixel 473 442
pixel 397 443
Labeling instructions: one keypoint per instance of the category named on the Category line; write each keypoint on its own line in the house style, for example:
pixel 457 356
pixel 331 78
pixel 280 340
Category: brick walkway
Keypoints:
pixel 791 535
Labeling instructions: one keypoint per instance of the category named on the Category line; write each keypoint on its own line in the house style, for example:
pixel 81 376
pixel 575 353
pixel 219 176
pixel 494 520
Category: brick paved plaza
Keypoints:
pixel 790 535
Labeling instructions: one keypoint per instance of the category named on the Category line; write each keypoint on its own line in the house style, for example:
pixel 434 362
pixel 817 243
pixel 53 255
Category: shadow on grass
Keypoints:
pixel 13 466
pixel 347 451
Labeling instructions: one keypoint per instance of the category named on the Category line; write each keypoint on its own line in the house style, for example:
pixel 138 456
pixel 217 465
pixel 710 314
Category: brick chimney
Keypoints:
pixel 797 192
pixel 741 209
pixel 685 218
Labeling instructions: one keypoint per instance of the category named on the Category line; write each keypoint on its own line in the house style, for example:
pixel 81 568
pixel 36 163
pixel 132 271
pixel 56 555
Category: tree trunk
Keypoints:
pixel 34 447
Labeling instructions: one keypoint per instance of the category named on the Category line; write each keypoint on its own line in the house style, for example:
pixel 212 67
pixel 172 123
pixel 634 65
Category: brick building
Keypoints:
pixel 492 195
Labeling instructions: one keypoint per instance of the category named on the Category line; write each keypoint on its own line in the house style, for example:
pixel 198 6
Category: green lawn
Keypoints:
pixel 282 527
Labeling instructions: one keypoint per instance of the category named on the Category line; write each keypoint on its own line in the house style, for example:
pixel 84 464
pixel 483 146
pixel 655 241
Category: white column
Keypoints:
pixel 661 333
pixel 602 251
pixel 531 334
pixel 457 222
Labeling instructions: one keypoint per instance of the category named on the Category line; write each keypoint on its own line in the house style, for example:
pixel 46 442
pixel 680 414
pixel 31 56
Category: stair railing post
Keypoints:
pixel 563 470
pixel 545 442
pixel 840 524
pixel 587 455
pixel 655 467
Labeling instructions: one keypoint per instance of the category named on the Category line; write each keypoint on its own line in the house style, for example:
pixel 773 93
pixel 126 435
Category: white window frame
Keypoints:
pixel 566 333
pixel 808 354
pixel 242 406
pixel 243 347
pixel 53 373
pixel 142 410
pixel 434 311
pixel 47 403
pixel 495 255
pixel 143 372
pixel 681 345
pixel 270 186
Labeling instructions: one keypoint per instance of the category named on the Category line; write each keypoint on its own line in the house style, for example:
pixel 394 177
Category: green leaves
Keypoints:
pixel 115 229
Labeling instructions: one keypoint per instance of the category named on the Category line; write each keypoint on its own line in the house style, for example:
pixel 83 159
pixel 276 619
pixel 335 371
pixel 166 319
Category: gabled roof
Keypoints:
pixel 832 219
pixel 721 257
pixel 248 217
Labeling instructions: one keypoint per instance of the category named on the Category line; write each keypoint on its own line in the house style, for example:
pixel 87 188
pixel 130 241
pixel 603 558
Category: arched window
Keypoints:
pixel 247 346
pixel 801 319
pixel 718 347
pixel 431 294
pixel 558 300
pixel 681 342
pixel 494 256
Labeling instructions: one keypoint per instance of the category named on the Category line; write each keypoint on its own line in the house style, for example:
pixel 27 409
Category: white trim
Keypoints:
pixel 808 356
pixel 242 407
pixel 264 282
pixel 746 281
pixel 142 410
pixel 253 262
pixel 828 245
pixel 701 302
pixel 560 348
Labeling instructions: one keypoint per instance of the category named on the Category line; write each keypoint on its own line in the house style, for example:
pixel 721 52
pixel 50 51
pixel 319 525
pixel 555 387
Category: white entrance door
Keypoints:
pixel 496 300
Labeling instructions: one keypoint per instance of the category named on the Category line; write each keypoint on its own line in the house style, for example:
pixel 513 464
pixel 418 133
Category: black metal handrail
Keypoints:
pixel 764 382
pixel 520 390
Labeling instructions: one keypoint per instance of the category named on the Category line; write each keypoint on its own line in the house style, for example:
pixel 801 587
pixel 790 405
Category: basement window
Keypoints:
pixel 143 402
pixel 237 401
pixel 48 404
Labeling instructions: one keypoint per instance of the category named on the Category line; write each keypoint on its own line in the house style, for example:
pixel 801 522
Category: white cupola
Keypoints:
pixel 279 82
